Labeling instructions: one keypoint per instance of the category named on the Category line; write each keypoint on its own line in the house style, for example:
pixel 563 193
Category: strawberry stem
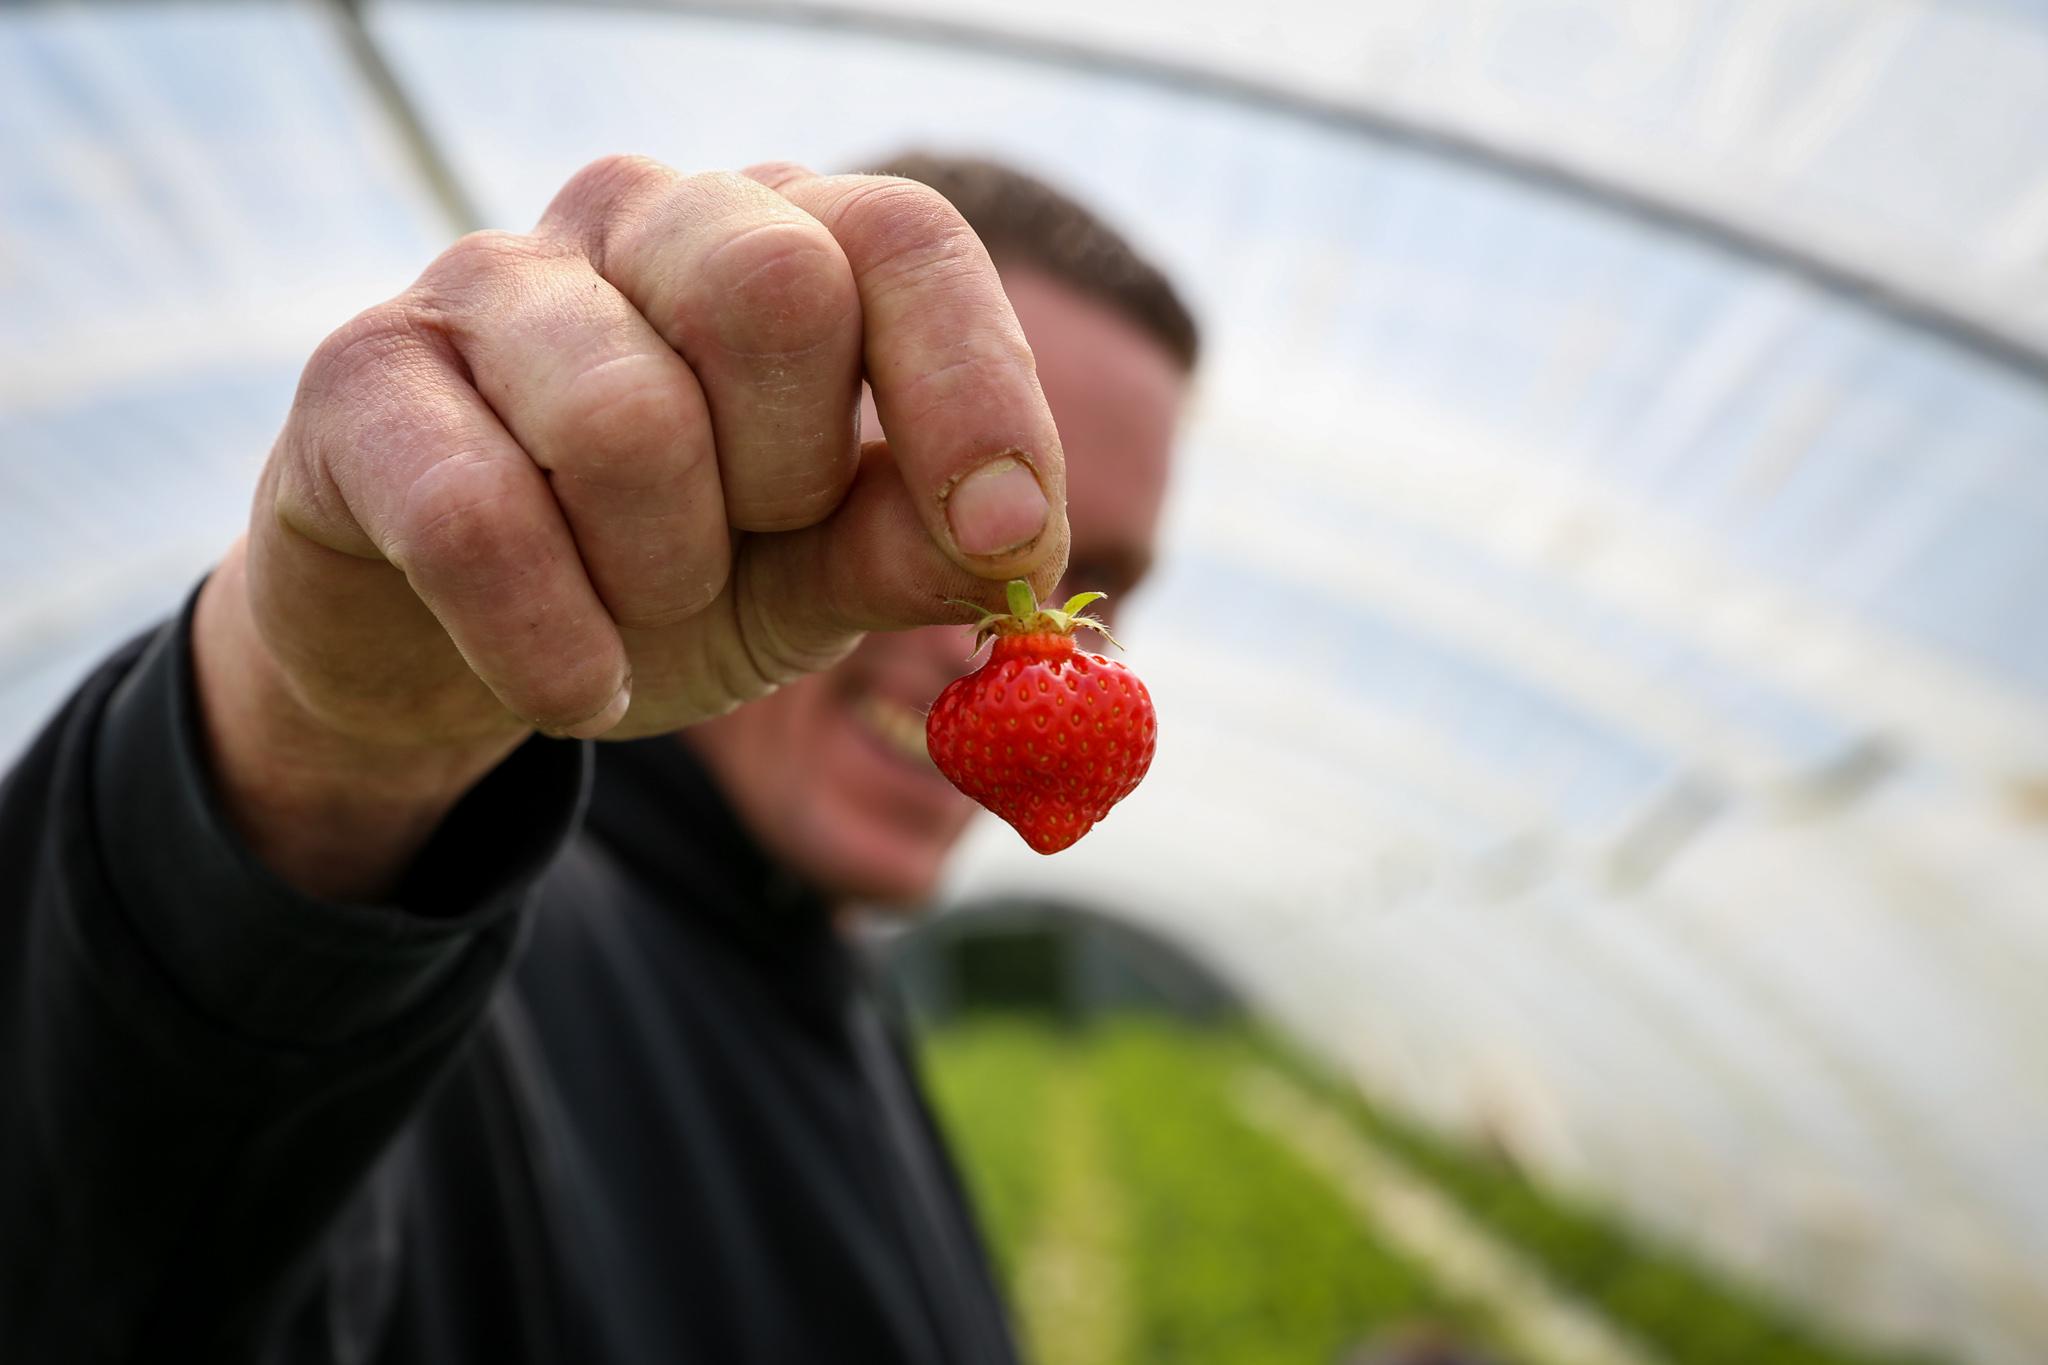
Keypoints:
pixel 1027 617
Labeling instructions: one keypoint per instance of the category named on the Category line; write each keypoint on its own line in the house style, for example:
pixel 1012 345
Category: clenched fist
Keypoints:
pixel 606 478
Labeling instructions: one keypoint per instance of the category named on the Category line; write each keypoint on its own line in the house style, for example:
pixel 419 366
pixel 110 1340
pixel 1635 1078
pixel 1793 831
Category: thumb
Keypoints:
pixel 871 566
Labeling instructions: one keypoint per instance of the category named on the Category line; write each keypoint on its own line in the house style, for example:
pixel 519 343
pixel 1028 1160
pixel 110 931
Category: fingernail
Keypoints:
pixel 605 719
pixel 998 507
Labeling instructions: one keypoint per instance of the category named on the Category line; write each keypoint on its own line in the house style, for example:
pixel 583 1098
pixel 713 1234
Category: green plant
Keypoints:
pixel 1138 1218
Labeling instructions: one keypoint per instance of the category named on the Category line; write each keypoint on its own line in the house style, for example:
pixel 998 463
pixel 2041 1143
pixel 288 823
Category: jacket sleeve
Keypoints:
pixel 197 1063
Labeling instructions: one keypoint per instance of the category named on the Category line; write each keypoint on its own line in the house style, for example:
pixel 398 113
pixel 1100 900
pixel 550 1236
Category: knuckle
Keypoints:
pixel 620 168
pixel 901 225
pixel 603 198
pixel 460 519
pixel 782 287
pixel 621 175
pixel 626 414
pixel 481 262
pixel 359 399
pixel 368 339
pixel 713 187
pixel 775 174
pixel 390 345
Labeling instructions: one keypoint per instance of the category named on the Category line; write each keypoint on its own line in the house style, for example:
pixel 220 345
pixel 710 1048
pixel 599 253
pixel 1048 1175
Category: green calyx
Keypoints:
pixel 1027 617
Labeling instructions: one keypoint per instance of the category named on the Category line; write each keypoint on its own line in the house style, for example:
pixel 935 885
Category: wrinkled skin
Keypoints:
pixel 606 478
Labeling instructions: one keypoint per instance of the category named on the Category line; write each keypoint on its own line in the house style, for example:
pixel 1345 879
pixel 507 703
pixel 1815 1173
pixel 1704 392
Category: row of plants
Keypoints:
pixel 1689 1314
pixel 1232 1253
pixel 1136 1217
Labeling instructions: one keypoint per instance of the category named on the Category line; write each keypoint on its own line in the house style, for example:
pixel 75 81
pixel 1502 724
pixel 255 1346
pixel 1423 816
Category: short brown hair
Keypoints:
pixel 1027 221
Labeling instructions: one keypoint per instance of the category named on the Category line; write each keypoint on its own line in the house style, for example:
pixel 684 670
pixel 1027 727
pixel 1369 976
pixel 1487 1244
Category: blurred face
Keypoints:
pixel 830 773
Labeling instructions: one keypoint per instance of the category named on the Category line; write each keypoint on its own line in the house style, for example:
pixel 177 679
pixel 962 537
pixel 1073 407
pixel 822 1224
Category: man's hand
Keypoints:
pixel 606 479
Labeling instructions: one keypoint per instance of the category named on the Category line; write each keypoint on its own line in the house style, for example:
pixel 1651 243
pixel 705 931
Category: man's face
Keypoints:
pixel 830 772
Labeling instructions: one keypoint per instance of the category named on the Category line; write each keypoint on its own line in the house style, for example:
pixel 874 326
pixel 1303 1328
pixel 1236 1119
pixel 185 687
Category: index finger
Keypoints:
pixel 954 381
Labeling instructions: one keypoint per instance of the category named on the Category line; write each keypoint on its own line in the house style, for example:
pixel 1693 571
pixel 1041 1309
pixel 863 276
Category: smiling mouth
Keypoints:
pixel 900 729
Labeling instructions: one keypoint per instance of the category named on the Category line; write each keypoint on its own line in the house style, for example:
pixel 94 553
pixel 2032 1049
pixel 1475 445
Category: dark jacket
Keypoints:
pixel 599 1089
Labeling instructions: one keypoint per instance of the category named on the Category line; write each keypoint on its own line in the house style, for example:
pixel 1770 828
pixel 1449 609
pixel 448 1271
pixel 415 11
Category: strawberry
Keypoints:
pixel 1043 734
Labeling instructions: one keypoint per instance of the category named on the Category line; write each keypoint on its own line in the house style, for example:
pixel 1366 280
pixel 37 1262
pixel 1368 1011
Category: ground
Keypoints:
pixel 1149 1205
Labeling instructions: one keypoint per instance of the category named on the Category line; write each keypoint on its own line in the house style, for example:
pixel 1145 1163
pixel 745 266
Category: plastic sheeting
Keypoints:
pixel 190 198
pixel 1603 674
pixel 1898 140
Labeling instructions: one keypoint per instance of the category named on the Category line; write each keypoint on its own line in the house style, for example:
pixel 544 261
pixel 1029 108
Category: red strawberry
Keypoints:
pixel 1044 735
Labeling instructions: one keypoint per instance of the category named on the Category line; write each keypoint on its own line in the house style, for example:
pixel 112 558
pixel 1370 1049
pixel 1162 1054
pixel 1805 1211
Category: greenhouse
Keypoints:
pixel 1600 639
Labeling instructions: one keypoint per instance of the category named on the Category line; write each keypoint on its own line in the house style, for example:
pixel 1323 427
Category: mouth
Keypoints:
pixel 898 727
